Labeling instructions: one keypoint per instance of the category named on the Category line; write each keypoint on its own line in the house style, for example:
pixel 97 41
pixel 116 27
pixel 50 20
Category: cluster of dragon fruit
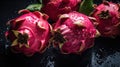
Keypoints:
pixel 70 25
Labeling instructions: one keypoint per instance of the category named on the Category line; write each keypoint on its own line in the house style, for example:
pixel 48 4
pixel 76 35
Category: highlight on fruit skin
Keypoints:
pixel 54 8
pixel 29 33
pixel 73 33
pixel 107 16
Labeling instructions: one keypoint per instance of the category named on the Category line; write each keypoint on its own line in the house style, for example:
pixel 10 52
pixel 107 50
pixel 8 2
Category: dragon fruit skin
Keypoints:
pixel 107 16
pixel 29 33
pixel 74 33
pixel 53 8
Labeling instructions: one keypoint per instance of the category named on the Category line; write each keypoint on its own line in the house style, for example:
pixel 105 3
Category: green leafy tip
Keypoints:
pixel 86 7
pixel 34 7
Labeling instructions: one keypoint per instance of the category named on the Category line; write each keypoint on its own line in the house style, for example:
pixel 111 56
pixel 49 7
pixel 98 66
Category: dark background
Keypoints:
pixel 105 53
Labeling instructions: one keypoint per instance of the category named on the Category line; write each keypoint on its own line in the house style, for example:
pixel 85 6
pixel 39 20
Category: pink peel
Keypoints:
pixel 33 33
pixel 54 8
pixel 76 31
pixel 107 16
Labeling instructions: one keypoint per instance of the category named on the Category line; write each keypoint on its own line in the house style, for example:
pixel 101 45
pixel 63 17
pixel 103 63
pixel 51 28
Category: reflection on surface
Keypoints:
pixel 105 53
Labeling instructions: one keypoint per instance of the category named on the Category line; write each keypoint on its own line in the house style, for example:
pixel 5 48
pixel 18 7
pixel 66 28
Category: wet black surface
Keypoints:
pixel 105 53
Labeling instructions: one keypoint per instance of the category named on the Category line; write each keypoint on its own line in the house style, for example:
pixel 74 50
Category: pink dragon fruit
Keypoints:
pixel 53 8
pixel 107 16
pixel 73 33
pixel 29 33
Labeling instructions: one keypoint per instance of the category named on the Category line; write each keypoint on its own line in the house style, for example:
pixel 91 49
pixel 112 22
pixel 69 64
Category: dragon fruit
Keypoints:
pixel 73 33
pixel 29 33
pixel 107 16
pixel 53 8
